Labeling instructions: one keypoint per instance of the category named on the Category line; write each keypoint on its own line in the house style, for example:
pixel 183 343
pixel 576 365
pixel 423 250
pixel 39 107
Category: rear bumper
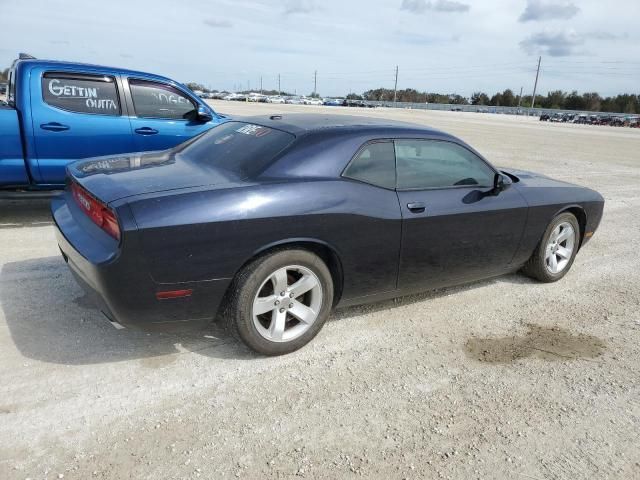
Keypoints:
pixel 118 283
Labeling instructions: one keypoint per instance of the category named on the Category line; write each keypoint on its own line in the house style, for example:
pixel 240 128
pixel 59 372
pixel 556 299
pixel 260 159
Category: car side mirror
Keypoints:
pixel 501 182
pixel 204 115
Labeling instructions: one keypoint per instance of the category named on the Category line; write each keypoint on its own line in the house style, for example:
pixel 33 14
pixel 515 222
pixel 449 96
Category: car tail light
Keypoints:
pixel 97 211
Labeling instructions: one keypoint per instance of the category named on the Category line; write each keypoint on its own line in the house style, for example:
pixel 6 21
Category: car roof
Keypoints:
pixel 304 123
pixel 65 64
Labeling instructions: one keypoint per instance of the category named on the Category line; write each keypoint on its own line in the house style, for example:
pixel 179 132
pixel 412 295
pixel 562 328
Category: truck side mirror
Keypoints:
pixel 204 115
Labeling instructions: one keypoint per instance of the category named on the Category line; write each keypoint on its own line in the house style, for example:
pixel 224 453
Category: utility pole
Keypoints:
pixel 535 85
pixel 279 91
pixel 315 83
pixel 249 85
pixel 520 97
pixel 395 88
pixel 261 85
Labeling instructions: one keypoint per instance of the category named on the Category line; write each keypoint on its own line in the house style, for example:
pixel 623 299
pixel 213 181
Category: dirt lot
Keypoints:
pixel 506 378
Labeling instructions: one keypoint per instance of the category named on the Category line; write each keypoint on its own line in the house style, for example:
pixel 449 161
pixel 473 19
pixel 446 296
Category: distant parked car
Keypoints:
pixel 545 117
pixel 275 99
pixel 617 121
pixel 353 103
pixel 257 97
pixel 312 101
pixel 293 100
pixel 333 102
pixel 3 88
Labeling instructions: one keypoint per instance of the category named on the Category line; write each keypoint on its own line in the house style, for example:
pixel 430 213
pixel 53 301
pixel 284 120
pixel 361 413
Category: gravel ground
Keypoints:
pixel 505 378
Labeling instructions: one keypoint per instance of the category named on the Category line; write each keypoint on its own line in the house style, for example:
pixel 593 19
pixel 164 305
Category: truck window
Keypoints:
pixel 95 94
pixel 157 100
pixel 11 88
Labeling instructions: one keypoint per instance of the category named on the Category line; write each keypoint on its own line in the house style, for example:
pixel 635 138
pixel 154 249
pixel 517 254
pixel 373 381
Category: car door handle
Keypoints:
pixel 416 207
pixel 146 131
pixel 54 127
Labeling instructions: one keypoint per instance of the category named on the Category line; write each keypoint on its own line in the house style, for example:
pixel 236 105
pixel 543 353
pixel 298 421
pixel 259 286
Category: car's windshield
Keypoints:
pixel 244 149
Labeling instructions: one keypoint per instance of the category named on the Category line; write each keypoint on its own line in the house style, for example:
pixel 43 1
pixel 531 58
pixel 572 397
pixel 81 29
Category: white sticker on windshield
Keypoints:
pixel 253 130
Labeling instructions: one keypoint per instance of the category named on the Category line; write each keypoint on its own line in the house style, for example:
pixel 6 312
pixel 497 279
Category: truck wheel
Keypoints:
pixel 555 253
pixel 280 301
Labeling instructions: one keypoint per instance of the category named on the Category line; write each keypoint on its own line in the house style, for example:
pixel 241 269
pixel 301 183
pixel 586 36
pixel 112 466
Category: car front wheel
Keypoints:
pixel 557 250
pixel 280 301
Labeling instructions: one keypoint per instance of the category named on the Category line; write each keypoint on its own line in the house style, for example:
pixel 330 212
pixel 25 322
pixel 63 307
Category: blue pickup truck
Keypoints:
pixel 58 112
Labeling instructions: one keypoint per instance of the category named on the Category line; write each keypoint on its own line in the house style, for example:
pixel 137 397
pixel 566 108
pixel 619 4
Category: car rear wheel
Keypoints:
pixel 280 301
pixel 555 253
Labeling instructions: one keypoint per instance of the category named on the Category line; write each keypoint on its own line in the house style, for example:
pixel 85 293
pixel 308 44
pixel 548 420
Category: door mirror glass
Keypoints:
pixel 204 115
pixel 501 182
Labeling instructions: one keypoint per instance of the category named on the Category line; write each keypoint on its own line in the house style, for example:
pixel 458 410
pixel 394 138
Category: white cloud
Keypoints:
pixel 214 23
pixel 299 6
pixel 538 10
pixel 422 6
pixel 553 43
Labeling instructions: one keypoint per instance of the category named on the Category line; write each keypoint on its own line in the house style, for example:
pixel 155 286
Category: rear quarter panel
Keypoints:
pixel 205 235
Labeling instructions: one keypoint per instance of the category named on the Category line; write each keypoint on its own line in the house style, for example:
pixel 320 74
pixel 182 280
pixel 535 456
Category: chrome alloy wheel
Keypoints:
pixel 560 247
pixel 287 303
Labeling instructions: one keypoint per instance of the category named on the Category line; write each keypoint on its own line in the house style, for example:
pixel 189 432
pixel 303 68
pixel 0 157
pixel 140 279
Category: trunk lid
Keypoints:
pixel 114 177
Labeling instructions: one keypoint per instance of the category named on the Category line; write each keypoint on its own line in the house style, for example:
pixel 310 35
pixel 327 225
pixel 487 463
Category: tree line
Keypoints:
pixel 591 101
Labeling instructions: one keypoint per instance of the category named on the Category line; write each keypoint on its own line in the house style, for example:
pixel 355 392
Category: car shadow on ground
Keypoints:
pixel 24 213
pixel 51 319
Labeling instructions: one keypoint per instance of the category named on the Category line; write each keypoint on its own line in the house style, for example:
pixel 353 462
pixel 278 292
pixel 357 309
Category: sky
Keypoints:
pixel 443 46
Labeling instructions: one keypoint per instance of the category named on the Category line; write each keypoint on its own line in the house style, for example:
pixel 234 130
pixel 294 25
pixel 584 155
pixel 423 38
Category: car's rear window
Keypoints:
pixel 245 149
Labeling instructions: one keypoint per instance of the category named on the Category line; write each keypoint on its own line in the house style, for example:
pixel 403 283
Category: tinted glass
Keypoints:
pixel 11 90
pixel 81 94
pixel 436 164
pixel 243 149
pixel 375 164
pixel 155 100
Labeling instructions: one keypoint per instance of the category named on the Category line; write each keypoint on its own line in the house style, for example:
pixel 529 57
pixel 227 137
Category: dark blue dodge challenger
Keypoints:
pixel 269 222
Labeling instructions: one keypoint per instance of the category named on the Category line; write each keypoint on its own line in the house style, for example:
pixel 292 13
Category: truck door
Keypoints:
pixel 163 115
pixel 76 115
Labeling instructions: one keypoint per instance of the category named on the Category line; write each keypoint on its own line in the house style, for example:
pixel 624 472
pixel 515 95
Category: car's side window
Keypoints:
pixel 80 93
pixel 157 100
pixel 439 164
pixel 374 164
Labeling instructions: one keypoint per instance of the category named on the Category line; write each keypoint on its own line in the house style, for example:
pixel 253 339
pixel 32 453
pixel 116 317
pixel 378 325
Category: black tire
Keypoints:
pixel 536 266
pixel 238 315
